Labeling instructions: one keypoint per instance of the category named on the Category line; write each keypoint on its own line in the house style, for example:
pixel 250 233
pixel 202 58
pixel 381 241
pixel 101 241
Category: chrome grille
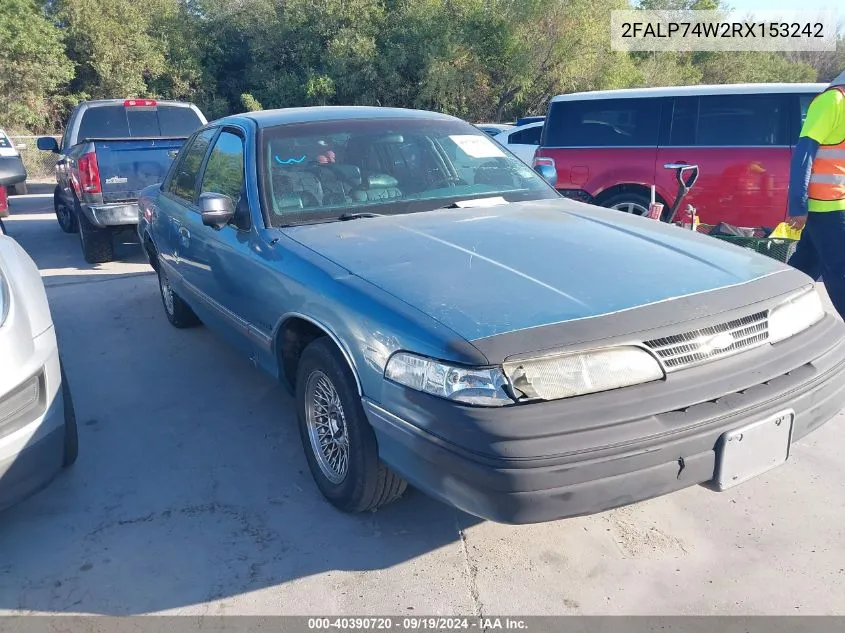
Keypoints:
pixel 695 347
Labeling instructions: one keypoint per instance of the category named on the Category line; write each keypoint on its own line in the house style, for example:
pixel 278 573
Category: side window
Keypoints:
pixel 742 120
pixel 530 136
pixel 183 185
pixel 603 123
pixel 684 122
pixel 224 171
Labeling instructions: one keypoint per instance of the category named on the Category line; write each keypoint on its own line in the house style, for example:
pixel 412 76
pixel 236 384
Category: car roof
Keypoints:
pixel 284 116
pixel 522 127
pixel 684 91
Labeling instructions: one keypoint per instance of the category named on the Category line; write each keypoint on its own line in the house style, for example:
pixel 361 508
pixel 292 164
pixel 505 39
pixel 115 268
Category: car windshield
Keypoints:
pixel 324 171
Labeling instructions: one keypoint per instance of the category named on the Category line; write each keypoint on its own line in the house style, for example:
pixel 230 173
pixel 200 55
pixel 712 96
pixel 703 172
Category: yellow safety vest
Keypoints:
pixel 827 177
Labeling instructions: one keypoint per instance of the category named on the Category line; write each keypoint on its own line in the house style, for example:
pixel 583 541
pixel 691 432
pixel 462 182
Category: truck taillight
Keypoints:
pixel 89 173
pixel 542 160
pixel 139 103
pixel 4 199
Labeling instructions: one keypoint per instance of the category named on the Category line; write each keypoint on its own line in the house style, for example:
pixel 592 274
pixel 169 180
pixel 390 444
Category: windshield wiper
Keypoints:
pixel 358 215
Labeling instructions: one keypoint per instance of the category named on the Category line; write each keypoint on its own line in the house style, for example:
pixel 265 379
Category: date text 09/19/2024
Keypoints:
pixel 416 623
pixel 750 30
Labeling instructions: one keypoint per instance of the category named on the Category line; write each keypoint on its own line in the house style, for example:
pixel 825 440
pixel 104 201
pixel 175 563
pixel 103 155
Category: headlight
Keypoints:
pixel 795 315
pixel 588 372
pixel 5 299
pixel 480 386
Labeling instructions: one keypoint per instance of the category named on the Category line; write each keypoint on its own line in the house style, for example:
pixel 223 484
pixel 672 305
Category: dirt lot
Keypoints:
pixel 191 495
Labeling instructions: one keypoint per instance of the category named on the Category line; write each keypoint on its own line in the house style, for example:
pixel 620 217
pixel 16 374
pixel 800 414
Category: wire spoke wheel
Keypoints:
pixel 166 293
pixel 327 430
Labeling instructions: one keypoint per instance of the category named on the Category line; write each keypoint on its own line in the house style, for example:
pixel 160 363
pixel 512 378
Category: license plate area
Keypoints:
pixel 753 449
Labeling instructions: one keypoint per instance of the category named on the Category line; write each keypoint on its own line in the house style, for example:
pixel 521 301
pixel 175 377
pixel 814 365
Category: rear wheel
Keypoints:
pixel 97 244
pixel 339 442
pixel 64 214
pixel 177 311
pixel 633 203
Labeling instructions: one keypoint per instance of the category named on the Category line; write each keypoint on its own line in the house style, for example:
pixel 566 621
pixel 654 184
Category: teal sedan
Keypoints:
pixel 444 318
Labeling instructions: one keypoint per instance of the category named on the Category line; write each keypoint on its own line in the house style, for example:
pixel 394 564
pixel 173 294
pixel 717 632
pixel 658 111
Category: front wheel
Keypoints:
pixel 339 443
pixel 71 447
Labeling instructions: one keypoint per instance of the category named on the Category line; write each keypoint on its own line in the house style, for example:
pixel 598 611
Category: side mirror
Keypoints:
pixel 547 172
pixel 48 144
pixel 216 209
pixel 20 146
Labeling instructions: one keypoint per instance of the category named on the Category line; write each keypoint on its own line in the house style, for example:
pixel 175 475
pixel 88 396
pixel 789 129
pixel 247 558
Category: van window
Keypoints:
pixel 684 123
pixel 742 120
pixel 603 123
pixel 117 121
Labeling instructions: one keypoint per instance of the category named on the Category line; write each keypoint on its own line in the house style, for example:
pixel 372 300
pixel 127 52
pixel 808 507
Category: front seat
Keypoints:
pixel 377 187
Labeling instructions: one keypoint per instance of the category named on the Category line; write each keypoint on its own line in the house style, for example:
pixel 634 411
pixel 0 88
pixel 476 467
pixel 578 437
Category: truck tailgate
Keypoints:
pixel 128 165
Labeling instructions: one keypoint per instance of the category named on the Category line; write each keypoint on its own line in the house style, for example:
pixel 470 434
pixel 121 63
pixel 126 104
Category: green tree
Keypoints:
pixel 109 42
pixel 32 66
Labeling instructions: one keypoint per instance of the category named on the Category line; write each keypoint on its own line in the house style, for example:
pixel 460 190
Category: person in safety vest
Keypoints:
pixel 817 192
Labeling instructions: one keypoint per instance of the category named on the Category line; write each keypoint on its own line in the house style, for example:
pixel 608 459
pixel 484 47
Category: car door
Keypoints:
pixel 223 258
pixel 740 143
pixel 176 215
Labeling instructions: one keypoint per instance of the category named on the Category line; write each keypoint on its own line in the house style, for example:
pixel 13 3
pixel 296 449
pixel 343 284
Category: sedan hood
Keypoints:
pixel 491 270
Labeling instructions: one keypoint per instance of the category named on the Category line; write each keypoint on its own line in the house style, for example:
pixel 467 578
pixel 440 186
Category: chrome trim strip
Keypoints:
pixel 685 349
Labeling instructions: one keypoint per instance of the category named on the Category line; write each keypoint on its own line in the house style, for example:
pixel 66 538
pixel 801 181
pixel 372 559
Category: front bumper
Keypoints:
pixel 106 215
pixel 577 456
pixel 32 437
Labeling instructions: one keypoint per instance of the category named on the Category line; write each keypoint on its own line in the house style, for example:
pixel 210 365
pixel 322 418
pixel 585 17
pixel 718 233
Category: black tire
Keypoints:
pixel 64 214
pixel 71 450
pixel 97 243
pixel 18 189
pixel 636 203
pixel 367 483
pixel 178 312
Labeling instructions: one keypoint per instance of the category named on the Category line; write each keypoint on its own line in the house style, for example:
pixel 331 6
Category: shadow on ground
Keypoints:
pixel 191 485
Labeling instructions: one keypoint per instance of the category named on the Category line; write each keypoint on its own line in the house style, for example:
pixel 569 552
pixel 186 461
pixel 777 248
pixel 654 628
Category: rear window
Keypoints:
pixel 603 123
pixel 117 121
pixel 528 136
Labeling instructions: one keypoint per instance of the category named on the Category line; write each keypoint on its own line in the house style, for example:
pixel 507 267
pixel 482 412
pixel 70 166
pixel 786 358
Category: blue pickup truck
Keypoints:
pixel 111 149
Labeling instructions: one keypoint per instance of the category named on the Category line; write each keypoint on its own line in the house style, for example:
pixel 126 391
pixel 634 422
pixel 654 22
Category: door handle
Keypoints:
pixel 184 236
